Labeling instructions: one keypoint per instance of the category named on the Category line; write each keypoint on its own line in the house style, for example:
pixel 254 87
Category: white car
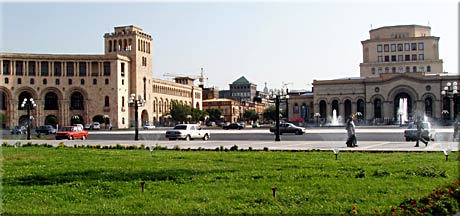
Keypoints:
pixel 96 126
pixel 187 132
pixel 149 126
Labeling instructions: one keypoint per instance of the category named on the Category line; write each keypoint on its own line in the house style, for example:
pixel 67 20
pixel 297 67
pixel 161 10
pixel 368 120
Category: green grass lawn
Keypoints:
pixel 100 181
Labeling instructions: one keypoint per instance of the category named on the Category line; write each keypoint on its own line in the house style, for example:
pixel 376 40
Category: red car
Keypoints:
pixel 71 132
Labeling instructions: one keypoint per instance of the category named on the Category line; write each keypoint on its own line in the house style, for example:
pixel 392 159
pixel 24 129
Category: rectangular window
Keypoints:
pixel 386 47
pixel 400 47
pixel 19 81
pixel 400 58
pixel 414 57
pixel 379 59
pixel 94 81
pixel 379 48
pixel 82 69
pixel 82 82
pixel 6 67
pixel 7 80
pixel 420 46
pixel 58 82
pixel 106 68
pixel 407 58
pixel 57 69
pixel 32 81
pixel 406 47
pixel 70 81
pixel 393 58
pixel 414 46
pixel 32 70
pixel 421 57
pixel 94 69
pixel 70 69
pixel 44 68
pixel 19 67
pixel 393 47
pixel 122 69
pixel 387 58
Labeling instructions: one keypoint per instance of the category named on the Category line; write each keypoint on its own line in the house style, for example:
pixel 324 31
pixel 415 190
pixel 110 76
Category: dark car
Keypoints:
pixel 18 130
pixel 233 126
pixel 46 129
pixel 288 128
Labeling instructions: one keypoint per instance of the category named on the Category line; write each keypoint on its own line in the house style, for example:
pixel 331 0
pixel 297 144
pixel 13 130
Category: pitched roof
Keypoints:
pixel 241 80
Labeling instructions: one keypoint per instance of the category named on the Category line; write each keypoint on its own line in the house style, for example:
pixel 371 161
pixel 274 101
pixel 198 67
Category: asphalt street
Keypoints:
pixel 369 139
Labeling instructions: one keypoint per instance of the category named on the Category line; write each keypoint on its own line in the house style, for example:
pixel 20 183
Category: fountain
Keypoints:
pixel 402 110
pixel 335 119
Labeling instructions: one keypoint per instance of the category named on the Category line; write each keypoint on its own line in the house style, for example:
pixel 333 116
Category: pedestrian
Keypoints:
pixel 351 141
pixel 456 127
pixel 420 129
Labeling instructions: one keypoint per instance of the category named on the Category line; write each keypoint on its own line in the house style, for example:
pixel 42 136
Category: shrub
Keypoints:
pixel 234 148
pixel 442 201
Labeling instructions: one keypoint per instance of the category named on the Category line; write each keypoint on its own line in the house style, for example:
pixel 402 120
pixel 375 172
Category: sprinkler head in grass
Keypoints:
pixel 336 152
pixel 446 153
pixel 274 192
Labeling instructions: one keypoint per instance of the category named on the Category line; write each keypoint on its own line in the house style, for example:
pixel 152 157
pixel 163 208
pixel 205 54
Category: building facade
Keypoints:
pixel 400 64
pixel 76 88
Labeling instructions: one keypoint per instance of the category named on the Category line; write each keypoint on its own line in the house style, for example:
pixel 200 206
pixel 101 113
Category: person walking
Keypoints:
pixel 351 141
pixel 420 128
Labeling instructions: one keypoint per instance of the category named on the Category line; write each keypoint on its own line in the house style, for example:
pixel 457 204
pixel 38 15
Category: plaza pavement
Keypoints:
pixel 371 146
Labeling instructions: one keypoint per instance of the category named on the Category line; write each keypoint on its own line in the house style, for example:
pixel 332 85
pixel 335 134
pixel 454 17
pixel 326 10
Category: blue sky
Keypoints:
pixel 292 42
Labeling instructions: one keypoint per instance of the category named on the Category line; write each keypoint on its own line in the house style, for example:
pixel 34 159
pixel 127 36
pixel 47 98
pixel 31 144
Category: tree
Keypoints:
pixel 98 118
pixel 270 113
pixel 250 115
pixel 179 111
pixel 197 115
pixel 214 114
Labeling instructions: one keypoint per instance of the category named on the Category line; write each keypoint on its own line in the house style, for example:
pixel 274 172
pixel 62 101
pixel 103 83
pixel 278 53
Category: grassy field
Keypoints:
pixel 100 181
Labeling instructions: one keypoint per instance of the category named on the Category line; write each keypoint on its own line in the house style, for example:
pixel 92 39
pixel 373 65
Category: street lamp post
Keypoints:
pixel 28 104
pixel 451 91
pixel 136 103
pixel 278 96
pixel 317 115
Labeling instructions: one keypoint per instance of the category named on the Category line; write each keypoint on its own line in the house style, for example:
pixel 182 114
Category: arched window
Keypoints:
pixel 32 81
pixel 347 107
pixel 322 109
pixel 106 101
pixel 110 46
pixel 360 106
pixel 377 108
pixel 400 69
pixel 51 101
pixel 76 101
pixel 373 70
pixel 295 109
pixel 429 107
pixel 407 69
pixel 154 106
pixel 3 101
pixel 123 101
pixel 335 106
pixel 414 69
pixel 428 68
pixel 387 70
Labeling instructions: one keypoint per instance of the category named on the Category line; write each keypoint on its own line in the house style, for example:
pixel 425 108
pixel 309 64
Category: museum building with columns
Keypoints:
pixel 69 88
pixel 400 63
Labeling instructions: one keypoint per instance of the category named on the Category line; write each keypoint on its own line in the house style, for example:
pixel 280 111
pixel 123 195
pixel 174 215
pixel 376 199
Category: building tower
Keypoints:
pixel 132 42
pixel 400 49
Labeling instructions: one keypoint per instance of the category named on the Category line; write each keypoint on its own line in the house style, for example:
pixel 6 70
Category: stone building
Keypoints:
pixel 400 69
pixel 76 88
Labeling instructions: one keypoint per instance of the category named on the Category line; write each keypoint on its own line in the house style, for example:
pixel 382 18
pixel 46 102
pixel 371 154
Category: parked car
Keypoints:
pixel 18 130
pixel 428 132
pixel 71 132
pixel 46 129
pixel 149 126
pixel 96 126
pixel 255 125
pixel 187 132
pixel 288 128
pixel 233 126
pixel 211 124
pixel 87 127
pixel 78 125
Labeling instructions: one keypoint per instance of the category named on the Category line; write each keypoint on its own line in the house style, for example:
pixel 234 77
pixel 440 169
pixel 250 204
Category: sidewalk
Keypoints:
pixel 366 146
